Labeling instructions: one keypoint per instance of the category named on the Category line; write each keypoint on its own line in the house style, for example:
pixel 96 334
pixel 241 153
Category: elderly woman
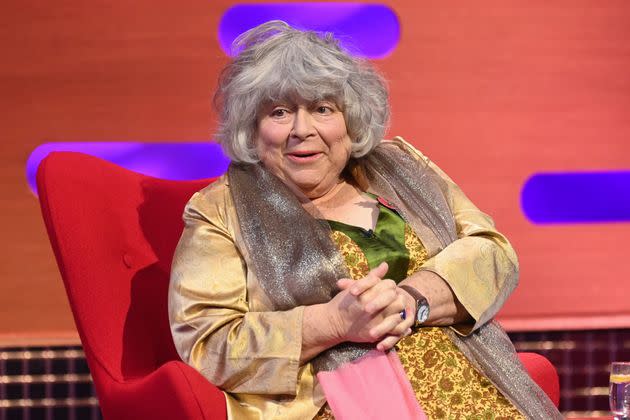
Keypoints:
pixel 324 244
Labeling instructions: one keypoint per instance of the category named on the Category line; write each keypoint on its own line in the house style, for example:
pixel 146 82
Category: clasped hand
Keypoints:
pixel 369 310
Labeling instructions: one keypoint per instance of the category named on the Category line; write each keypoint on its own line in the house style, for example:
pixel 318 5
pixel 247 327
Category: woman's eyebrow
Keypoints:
pixel 330 101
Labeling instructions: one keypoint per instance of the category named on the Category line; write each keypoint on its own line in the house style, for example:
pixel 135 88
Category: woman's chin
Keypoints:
pixel 313 188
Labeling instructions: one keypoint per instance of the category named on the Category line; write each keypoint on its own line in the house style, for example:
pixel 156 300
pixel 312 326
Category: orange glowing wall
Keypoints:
pixel 493 91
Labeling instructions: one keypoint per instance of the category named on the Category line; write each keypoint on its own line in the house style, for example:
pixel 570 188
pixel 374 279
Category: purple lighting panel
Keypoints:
pixel 577 197
pixel 365 30
pixel 175 161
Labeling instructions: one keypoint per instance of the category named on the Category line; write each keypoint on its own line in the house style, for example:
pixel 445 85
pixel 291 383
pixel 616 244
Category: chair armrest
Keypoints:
pixel 543 373
pixel 174 390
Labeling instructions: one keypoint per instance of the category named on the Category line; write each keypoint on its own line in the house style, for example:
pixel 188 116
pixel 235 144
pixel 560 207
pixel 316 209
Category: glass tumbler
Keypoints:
pixel 620 390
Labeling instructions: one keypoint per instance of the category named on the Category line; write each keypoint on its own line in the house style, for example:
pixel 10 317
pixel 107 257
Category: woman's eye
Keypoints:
pixel 324 109
pixel 279 112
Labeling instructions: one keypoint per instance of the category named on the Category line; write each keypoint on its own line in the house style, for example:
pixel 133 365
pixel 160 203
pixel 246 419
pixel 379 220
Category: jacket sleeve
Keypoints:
pixel 480 266
pixel 213 329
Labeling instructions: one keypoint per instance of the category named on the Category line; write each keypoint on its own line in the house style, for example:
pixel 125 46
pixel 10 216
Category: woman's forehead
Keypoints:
pixel 295 98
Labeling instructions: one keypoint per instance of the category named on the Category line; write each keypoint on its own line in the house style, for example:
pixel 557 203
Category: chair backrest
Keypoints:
pixel 114 232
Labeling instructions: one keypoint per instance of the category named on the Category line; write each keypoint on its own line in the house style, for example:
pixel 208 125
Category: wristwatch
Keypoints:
pixel 422 304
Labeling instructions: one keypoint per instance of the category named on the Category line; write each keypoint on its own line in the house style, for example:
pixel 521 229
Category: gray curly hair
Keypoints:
pixel 276 62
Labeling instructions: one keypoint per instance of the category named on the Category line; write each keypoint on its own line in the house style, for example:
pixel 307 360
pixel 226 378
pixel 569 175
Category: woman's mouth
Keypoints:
pixel 303 157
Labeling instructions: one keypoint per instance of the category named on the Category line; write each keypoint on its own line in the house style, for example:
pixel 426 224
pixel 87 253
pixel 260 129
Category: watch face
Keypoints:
pixel 423 312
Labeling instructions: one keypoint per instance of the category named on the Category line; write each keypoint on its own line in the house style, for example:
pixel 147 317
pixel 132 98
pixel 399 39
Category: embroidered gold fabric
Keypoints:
pixel 352 255
pixel 417 252
pixel 446 384
pixel 325 413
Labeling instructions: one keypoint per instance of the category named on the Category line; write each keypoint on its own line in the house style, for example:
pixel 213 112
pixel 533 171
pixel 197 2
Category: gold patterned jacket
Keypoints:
pixel 221 320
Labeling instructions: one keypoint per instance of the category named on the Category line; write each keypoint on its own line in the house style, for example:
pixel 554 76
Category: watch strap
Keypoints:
pixel 421 301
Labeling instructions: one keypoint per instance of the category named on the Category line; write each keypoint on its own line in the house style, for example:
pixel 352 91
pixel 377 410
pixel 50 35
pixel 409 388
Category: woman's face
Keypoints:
pixel 304 144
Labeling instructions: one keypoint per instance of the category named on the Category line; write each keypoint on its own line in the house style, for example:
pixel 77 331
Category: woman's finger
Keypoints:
pixel 394 323
pixel 390 341
pixel 374 276
pixel 380 296
pixel 385 298
pixel 391 325
pixel 343 284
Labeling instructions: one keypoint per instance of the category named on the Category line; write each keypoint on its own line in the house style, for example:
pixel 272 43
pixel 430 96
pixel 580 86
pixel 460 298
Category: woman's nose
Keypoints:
pixel 302 123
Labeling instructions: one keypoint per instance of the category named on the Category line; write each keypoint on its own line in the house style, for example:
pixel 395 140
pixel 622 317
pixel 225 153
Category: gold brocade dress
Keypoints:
pixel 446 384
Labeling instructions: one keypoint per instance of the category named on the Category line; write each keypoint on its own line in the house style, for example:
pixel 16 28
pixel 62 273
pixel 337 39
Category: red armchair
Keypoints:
pixel 113 232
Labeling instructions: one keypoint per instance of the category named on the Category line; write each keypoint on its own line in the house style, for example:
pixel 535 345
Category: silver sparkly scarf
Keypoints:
pixel 297 263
